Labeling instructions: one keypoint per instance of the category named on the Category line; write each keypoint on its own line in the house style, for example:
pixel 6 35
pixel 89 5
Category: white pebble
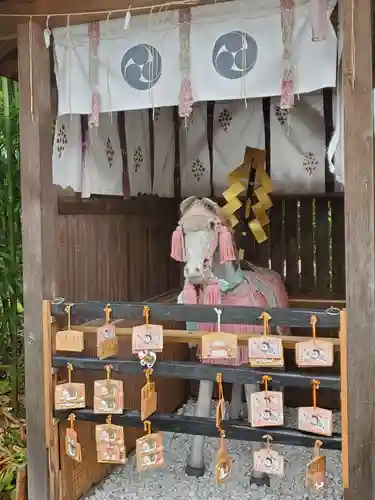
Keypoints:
pixel 171 482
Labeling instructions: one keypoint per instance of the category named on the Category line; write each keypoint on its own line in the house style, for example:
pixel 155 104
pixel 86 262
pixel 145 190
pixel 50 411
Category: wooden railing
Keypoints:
pixel 162 312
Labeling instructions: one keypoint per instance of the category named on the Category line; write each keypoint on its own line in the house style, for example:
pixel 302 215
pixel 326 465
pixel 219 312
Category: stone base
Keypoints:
pixel 194 471
pixel 263 480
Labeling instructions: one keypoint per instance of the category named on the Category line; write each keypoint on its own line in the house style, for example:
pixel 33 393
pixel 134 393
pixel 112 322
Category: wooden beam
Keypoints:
pixel 195 337
pixel 206 426
pixel 144 205
pixel 237 315
pixel 39 211
pixel 59 10
pixel 194 370
pixel 356 26
pixel 72 6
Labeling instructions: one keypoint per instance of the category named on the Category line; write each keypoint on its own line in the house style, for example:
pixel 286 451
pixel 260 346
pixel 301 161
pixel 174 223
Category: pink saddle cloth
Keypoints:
pixel 248 294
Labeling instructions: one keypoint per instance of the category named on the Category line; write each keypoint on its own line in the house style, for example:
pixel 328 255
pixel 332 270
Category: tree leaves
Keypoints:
pixel 12 445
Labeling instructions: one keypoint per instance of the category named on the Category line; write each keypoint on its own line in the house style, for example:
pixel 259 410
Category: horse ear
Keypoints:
pixel 186 204
pixel 212 205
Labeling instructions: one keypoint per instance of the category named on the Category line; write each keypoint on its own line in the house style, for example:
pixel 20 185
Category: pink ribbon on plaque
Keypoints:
pixel 319 19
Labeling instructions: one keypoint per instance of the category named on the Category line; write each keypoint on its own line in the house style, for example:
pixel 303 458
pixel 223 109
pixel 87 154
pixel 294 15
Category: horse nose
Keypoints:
pixel 193 271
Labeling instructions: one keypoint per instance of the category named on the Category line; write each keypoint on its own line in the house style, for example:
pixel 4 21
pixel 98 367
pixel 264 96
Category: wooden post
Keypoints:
pixel 39 212
pixel 344 399
pixel 356 25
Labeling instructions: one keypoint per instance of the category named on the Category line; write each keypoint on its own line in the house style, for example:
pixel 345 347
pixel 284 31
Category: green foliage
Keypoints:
pixel 12 447
pixel 5 387
pixel 11 341
pixel 12 457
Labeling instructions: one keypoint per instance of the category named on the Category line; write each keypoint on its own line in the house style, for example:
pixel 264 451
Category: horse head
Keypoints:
pixel 202 230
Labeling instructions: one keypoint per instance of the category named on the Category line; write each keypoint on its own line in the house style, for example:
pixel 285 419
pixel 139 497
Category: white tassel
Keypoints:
pixel 47 37
pixel 127 20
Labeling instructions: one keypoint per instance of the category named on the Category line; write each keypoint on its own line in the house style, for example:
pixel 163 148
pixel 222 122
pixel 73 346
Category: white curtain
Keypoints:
pixel 164 152
pixel 194 154
pixel 298 146
pixel 67 152
pixel 103 163
pixel 236 126
pixel 298 149
pixel 138 68
pixel 237 51
pixel 137 131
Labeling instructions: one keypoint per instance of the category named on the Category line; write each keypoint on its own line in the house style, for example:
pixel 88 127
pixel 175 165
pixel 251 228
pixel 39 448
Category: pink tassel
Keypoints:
pixel 94 39
pixel 94 36
pixel 189 294
pixel 287 89
pixel 212 294
pixel 226 245
pixel 186 99
pixel 177 246
pixel 95 110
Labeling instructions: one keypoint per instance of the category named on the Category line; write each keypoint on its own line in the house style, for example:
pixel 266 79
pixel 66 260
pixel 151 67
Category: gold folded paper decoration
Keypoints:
pixel 238 180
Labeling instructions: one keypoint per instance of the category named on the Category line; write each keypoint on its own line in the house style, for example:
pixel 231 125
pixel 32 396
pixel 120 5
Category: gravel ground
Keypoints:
pixel 171 482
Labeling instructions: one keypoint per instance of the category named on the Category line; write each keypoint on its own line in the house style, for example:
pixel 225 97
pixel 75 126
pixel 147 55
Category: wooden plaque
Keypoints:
pixel 148 400
pixel 267 409
pixel 108 396
pixel 219 346
pixel 69 340
pixel 150 451
pixel 315 420
pixel 316 473
pixel 107 341
pixel 72 446
pixel 70 396
pixel 314 353
pixel 269 462
pixel 148 338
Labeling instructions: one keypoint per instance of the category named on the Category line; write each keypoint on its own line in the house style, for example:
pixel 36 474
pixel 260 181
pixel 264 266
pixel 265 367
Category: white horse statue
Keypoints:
pixel 204 241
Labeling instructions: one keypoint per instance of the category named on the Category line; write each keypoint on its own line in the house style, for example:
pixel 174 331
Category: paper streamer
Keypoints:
pixel 238 180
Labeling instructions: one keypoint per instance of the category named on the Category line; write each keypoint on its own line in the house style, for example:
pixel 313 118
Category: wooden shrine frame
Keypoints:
pixel 39 211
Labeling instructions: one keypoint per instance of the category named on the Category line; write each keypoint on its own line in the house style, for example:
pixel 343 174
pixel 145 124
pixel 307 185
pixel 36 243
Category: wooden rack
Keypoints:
pixel 164 312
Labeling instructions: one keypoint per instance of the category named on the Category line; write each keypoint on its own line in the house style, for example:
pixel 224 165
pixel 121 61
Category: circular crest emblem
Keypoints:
pixel 141 66
pixel 234 54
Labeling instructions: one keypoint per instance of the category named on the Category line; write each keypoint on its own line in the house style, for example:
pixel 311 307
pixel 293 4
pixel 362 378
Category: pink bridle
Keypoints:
pixel 223 238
